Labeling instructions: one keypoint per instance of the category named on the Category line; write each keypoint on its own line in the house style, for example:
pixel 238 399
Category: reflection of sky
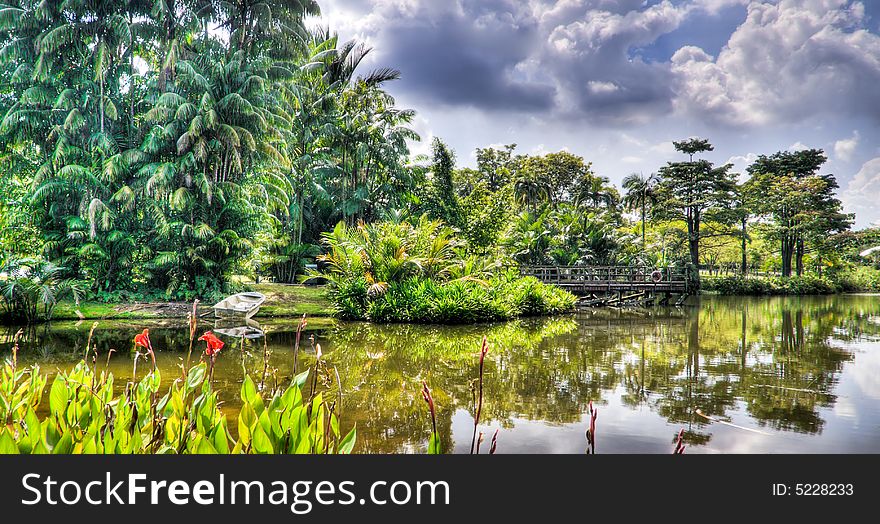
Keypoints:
pixel 852 424
pixel 550 366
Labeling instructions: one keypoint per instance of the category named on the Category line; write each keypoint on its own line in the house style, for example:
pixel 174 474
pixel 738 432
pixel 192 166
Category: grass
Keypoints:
pixel 282 300
pixel 290 300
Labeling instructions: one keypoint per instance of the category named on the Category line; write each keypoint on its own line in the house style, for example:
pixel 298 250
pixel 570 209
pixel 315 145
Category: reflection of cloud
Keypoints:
pixel 866 369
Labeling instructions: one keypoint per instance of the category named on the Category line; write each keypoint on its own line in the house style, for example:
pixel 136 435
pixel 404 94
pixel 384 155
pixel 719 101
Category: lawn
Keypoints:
pixel 282 300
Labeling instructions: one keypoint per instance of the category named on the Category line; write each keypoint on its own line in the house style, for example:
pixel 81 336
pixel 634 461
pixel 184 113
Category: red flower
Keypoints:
pixel 143 340
pixel 214 343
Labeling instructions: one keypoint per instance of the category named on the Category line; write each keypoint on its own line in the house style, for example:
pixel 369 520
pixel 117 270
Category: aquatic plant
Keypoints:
pixel 213 347
pixel 679 443
pixel 86 415
pixel 143 340
pixel 484 348
pixel 591 430
pixel 434 442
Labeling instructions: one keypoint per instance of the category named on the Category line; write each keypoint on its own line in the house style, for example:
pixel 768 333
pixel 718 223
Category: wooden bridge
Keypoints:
pixel 616 285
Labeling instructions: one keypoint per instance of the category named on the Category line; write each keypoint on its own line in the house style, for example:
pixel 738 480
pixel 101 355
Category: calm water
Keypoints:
pixel 776 375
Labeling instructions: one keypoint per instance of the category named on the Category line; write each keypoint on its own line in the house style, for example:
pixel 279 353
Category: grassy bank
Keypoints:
pixel 282 300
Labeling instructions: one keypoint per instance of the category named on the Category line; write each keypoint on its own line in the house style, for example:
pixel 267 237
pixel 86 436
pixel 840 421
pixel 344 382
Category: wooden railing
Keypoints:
pixel 610 276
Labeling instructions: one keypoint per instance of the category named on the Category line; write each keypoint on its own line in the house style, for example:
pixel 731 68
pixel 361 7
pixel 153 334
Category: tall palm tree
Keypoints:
pixel 640 195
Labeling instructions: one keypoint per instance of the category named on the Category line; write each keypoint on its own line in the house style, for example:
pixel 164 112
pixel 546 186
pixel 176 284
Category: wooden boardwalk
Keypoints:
pixel 603 285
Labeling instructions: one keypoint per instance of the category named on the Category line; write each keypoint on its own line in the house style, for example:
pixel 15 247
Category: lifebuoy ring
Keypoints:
pixel 656 276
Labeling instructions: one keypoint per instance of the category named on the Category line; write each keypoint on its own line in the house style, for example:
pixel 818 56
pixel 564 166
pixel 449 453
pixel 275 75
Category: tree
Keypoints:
pixel 694 191
pixel 559 175
pixel 168 173
pixel 640 195
pixel 497 167
pixel 442 202
pixel 800 203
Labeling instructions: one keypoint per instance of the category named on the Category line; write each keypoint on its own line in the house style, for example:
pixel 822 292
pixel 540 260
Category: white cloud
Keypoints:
pixel 740 163
pixel 844 148
pixel 862 195
pixel 788 61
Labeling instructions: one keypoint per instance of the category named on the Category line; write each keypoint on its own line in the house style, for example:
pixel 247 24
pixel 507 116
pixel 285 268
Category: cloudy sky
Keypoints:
pixel 615 81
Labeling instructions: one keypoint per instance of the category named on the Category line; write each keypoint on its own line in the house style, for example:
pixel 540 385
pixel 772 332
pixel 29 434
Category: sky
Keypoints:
pixel 616 81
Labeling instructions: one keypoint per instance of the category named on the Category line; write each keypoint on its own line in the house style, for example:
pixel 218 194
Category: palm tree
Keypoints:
pixel 530 191
pixel 596 191
pixel 640 194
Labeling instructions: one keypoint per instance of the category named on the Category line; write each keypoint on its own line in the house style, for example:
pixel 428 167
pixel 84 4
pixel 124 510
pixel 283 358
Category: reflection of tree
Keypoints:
pixel 776 359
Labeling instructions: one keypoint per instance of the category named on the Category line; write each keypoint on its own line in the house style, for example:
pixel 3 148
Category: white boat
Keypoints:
pixel 869 252
pixel 240 305
pixel 247 332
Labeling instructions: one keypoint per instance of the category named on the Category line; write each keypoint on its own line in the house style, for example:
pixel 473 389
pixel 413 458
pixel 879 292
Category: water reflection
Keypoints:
pixel 801 371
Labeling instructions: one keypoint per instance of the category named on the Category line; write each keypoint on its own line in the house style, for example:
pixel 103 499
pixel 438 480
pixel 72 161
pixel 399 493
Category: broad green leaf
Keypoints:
pixel 7 443
pixel 58 397
pixel 347 443
pixel 261 443
pixel 64 446
pixel 300 380
pixel 434 445
pixel 195 376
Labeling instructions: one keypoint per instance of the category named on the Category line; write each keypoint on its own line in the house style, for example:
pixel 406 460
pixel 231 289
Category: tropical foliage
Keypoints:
pixel 402 272
pixel 160 154
pixel 87 416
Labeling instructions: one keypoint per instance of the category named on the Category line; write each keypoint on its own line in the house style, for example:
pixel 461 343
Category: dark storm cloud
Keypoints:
pixel 587 60
pixel 460 65
pixel 464 53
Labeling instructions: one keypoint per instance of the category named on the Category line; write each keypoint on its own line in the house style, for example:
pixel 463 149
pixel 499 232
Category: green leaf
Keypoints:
pixel 58 397
pixel 221 441
pixel 7 443
pixel 33 425
pixel 195 376
pixel 347 443
pixel 262 444
pixel 300 380
pixel 205 447
pixel 64 446
pixel 248 390
pixel 434 445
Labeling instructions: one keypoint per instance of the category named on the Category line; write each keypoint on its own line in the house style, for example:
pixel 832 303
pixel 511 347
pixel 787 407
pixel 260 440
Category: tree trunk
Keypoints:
pixel 799 256
pixel 787 252
pixel 694 247
pixel 643 224
pixel 744 265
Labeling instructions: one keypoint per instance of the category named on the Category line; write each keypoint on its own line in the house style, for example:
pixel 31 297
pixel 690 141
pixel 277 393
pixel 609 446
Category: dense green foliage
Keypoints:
pixel 803 285
pixel 402 272
pixel 146 154
pixel 151 153
pixel 87 416
pixel 31 288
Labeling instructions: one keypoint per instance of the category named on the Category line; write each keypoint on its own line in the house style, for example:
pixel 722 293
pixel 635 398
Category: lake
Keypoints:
pixel 738 374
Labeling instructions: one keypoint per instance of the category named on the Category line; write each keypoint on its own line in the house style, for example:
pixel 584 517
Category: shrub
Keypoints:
pixel 858 279
pixel 31 288
pixel 803 285
pixel 400 272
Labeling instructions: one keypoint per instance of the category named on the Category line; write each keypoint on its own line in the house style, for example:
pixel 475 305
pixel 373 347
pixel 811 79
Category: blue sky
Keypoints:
pixel 616 81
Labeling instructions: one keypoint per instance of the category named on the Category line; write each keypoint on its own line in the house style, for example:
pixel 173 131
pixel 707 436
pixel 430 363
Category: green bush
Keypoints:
pixel 401 272
pixel 858 279
pixel 461 301
pixel 803 285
